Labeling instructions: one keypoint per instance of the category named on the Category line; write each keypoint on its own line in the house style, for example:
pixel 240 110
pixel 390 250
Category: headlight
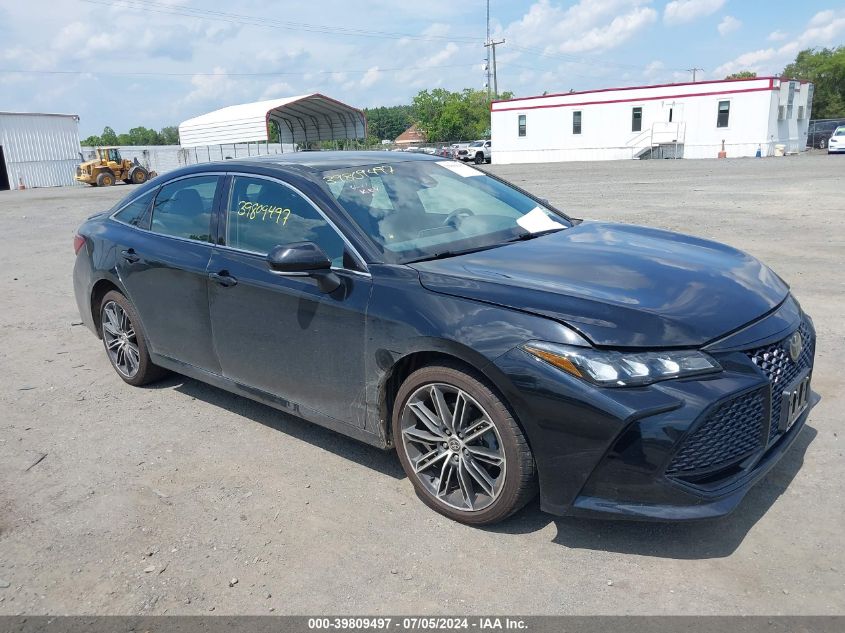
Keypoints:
pixel 622 369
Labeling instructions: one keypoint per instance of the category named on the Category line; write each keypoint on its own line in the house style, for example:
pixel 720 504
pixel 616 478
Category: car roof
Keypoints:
pixel 322 161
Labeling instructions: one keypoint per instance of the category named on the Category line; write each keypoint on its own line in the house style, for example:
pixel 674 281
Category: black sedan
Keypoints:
pixel 500 346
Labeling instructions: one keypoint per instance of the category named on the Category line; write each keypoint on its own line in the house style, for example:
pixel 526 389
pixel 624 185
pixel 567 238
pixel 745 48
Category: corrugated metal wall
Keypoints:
pixel 164 158
pixel 40 149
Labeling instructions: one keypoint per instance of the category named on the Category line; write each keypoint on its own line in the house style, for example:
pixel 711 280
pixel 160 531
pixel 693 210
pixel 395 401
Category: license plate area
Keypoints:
pixel 794 401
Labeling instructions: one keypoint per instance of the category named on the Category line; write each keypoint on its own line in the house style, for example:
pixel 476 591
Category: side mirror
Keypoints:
pixel 304 259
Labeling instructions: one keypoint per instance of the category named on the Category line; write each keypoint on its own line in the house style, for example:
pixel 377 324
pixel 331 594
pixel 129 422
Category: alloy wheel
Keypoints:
pixel 120 340
pixel 453 446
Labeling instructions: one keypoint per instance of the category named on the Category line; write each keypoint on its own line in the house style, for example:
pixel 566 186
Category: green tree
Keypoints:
pixel 388 122
pixel 170 135
pixel 742 74
pixel 91 141
pixel 826 69
pixel 453 116
pixel 108 137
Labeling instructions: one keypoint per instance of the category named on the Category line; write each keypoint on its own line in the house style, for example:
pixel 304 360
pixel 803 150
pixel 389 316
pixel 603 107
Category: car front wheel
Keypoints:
pixel 464 453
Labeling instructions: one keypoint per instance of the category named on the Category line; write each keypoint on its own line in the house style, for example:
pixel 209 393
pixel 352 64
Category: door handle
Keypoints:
pixel 223 278
pixel 130 256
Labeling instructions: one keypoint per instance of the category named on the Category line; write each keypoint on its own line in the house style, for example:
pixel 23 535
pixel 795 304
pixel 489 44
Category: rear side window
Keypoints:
pixel 136 212
pixel 262 214
pixel 183 208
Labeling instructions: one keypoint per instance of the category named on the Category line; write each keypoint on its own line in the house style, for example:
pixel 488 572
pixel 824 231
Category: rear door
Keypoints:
pixel 281 334
pixel 164 270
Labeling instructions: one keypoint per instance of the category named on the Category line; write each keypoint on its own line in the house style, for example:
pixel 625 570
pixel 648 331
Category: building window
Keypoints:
pixel 637 120
pixel 522 125
pixel 724 114
pixel 576 122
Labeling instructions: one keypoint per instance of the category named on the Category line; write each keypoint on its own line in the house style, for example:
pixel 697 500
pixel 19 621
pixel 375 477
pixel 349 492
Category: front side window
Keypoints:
pixel 421 209
pixel 637 120
pixel 724 114
pixel 136 212
pixel 114 156
pixel 522 125
pixel 576 122
pixel 262 214
pixel 183 208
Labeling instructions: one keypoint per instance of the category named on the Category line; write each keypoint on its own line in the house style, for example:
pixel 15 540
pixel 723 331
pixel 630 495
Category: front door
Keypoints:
pixel 282 335
pixel 164 271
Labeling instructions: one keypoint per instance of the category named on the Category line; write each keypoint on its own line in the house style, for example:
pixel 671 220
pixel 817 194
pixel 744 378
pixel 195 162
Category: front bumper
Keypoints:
pixel 675 450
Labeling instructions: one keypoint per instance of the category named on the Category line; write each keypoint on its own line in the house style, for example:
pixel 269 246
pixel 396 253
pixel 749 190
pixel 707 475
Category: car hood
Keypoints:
pixel 618 285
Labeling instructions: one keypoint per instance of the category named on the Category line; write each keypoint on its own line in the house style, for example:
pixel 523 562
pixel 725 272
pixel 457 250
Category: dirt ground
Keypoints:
pixel 155 500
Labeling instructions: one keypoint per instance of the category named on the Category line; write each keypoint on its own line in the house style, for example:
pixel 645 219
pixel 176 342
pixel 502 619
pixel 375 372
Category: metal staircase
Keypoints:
pixel 662 140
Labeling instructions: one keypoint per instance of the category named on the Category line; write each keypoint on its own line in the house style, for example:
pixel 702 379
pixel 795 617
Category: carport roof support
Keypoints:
pixel 305 118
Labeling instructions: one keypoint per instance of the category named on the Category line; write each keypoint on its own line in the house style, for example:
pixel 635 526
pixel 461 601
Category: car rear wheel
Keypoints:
pixel 479 158
pixel 464 453
pixel 125 344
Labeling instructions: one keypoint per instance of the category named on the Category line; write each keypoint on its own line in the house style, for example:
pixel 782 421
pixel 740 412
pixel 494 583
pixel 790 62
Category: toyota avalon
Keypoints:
pixel 503 348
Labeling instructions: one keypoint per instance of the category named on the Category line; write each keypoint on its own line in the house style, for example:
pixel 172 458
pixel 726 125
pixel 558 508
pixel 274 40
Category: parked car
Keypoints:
pixel 500 346
pixel 477 152
pixel 836 144
pixel 455 149
pixel 820 131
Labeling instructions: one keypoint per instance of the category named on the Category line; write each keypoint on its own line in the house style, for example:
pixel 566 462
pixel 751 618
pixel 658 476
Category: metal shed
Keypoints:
pixel 302 119
pixel 38 150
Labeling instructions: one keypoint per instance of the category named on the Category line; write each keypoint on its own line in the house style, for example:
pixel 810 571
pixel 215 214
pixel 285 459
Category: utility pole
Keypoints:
pixel 486 45
pixel 694 71
pixel 492 45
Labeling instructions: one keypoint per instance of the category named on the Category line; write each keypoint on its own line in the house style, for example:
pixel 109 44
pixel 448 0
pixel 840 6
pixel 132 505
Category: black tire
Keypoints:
pixel 105 179
pixel 138 175
pixel 146 372
pixel 479 158
pixel 519 483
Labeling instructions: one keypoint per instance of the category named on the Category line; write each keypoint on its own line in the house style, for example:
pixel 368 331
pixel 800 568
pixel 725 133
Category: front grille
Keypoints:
pixel 732 431
pixel 774 361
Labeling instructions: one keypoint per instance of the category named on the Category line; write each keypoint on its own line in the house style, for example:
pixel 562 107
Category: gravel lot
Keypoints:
pixel 153 500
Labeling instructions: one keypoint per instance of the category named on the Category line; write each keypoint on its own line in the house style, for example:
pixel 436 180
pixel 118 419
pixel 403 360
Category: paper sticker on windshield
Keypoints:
pixel 460 168
pixel 536 221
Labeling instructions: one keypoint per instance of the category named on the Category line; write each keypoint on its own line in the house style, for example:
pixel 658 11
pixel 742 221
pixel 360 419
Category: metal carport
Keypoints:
pixel 303 119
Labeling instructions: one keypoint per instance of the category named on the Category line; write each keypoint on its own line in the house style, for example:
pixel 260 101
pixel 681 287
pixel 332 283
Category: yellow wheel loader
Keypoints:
pixel 109 167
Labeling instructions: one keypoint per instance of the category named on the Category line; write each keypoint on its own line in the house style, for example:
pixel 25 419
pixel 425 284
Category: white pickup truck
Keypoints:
pixel 477 151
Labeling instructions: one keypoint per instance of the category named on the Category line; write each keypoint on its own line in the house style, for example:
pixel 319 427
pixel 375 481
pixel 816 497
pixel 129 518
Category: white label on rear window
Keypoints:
pixel 536 221
pixel 459 168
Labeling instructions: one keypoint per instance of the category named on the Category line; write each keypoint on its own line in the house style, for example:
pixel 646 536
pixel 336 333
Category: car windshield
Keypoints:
pixel 420 210
pixel 476 144
pixel 839 131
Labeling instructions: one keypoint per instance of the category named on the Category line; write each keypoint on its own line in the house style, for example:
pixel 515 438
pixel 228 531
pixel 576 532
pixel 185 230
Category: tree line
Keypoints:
pixel 464 115
pixel 136 136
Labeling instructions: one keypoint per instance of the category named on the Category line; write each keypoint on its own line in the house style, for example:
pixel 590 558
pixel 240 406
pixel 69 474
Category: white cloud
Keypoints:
pixel 588 26
pixel 370 77
pixel 777 36
pixel 825 28
pixel 654 68
pixel 729 24
pixel 441 56
pixel 212 89
pixel 682 11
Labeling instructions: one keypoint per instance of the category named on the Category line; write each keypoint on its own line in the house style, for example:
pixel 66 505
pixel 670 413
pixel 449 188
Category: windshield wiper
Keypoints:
pixel 445 254
pixel 530 236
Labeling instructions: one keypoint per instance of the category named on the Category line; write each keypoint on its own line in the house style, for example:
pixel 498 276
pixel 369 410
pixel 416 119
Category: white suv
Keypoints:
pixel 477 151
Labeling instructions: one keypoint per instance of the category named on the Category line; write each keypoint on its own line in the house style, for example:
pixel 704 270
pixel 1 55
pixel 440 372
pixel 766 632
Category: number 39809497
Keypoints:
pixel 253 211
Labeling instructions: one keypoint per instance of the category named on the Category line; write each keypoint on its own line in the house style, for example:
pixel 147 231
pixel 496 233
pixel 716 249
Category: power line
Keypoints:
pixel 694 71
pixel 149 6
pixel 121 73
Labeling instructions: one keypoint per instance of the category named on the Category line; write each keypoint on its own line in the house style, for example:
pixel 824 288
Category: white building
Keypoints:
pixel 38 150
pixel 686 120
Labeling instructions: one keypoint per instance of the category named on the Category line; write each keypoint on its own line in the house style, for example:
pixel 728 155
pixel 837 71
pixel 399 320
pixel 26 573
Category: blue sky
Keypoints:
pixel 157 62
